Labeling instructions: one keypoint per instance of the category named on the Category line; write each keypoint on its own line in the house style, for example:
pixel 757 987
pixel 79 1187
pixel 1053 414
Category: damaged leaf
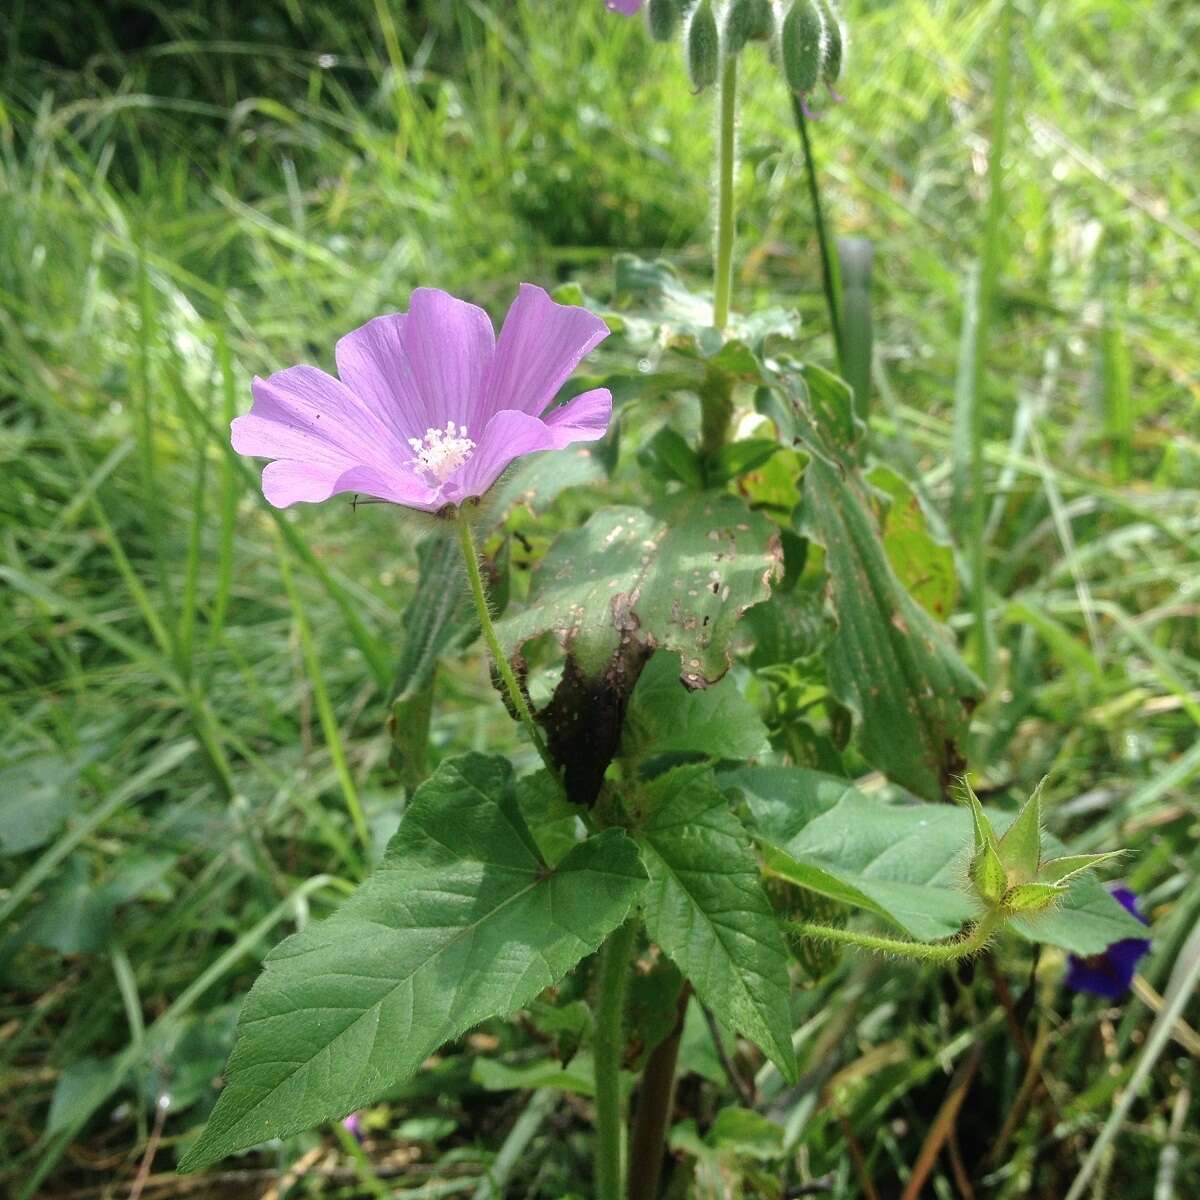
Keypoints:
pixel 677 577
pixel 889 662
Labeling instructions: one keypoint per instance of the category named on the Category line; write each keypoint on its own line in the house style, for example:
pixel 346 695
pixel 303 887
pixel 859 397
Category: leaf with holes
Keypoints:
pixel 462 921
pixel 707 910
pixel 676 577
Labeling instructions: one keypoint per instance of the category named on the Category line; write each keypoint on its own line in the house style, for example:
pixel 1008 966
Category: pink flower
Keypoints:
pixel 430 407
pixel 628 7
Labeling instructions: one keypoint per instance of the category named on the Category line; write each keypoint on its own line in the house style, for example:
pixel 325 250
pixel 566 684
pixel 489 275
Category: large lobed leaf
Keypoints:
pixel 906 863
pixel 462 921
pixel 706 908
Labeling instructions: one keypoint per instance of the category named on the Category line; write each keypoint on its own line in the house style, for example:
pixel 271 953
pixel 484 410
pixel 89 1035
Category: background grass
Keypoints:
pixel 194 686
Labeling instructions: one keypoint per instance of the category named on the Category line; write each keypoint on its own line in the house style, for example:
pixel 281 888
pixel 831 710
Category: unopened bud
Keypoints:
pixel 663 19
pixel 831 65
pixel 703 46
pixel 801 46
pixel 743 21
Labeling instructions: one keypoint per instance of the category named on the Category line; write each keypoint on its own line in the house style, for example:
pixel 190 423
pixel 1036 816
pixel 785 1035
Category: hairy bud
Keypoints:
pixel 746 20
pixel 802 46
pixel 703 46
pixel 663 18
pixel 831 64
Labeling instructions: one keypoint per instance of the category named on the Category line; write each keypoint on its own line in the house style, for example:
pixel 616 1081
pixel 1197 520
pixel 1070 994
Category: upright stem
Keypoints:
pixel 726 213
pixel 829 276
pixel 993 231
pixel 466 539
pixel 608 1041
pixel 656 1099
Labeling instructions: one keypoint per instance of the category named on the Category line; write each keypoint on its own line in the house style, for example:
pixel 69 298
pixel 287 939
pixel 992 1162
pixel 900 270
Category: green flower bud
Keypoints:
pixel 802 46
pixel 745 19
pixel 663 19
pixel 831 65
pixel 703 46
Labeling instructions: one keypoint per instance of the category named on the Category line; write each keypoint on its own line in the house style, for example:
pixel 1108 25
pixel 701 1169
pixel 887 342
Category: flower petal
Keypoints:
pixel 583 419
pixel 628 7
pixel 507 436
pixel 416 371
pixel 540 345
pixel 286 482
pixel 303 414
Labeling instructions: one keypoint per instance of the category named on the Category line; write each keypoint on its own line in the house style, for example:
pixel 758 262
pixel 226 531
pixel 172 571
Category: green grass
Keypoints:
pixel 193 687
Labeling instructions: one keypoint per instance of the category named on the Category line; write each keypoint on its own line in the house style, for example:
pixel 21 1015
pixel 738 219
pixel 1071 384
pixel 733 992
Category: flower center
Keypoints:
pixel 441 451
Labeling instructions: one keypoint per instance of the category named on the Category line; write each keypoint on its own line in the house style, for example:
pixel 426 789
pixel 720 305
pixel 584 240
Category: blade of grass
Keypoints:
pixel 1184 980
pixel 329 725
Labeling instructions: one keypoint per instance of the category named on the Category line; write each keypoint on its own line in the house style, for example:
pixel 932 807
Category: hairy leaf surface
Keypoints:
pixel 461 922
pixel 908 863
pixel 889 662
pixel 706 908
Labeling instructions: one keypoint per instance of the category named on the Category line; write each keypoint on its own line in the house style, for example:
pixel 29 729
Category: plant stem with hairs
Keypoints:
pixel 942 952
pixel 466 540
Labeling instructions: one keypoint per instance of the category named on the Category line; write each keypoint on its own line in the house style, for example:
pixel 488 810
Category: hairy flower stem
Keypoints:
pixel 975 941
pixel 830 281
pixel 608 1041
pixel 726 211
pixel 466 539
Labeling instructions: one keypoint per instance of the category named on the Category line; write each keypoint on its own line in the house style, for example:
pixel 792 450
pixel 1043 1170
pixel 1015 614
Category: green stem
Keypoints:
pixel 726 211
pixel 923 951
pixel 829 273
pixel 993 233
pixel 466 539
pixel 608 1041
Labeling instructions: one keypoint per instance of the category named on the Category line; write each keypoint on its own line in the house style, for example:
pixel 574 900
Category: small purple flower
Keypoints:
pixel 1110 974
pixel 431 406
pixel 353 1126
pixel 628 7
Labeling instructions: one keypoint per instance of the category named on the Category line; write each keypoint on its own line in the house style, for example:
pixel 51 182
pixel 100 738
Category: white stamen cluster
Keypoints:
pixel 441 451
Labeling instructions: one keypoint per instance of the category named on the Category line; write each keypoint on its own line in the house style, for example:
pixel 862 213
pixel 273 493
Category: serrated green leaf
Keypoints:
pixel 462 921
pixel 552 820
pixel 677 577
pixel 1033 897
pixel 1021 846
pixel 706 909
pixel 908 863
pixel 894 667
pixel 664 717
pixel 1061 870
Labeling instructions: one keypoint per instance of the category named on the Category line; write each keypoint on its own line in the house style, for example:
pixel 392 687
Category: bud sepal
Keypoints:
pixel 1008 875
